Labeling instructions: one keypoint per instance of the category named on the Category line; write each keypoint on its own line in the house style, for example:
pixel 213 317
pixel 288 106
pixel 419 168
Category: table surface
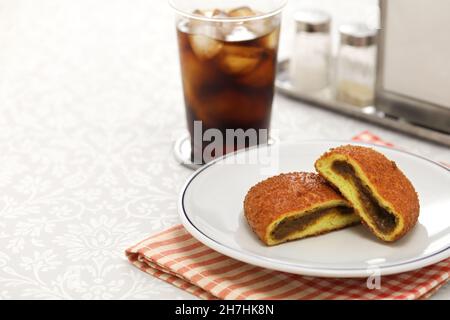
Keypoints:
pixel 90 105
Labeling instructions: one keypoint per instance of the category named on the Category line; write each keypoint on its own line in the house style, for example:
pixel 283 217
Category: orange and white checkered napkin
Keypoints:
pixel 177 258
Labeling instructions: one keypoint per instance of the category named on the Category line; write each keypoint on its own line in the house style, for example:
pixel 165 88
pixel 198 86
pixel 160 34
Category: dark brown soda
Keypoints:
pixel 230 84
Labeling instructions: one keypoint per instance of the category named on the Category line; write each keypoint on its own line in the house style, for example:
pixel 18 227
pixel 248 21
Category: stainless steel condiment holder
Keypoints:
pixel 325 99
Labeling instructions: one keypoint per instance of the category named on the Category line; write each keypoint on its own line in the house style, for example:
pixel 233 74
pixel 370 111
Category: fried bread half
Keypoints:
pixel 295 206
pixel 381 194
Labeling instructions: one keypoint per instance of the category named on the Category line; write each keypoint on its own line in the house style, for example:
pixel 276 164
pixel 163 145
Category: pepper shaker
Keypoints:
pixel 355 67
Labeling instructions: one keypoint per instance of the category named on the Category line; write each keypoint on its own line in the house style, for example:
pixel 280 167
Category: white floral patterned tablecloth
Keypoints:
pixel 90 105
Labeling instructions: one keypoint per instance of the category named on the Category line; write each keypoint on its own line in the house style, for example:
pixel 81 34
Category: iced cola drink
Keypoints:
pixel 228 63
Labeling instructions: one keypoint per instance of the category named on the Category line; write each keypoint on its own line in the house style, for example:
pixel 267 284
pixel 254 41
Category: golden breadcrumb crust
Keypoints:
pixel 388 180
pixel 270 199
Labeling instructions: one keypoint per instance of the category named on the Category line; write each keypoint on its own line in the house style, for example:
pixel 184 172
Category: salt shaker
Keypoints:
pixel 309 67
pixel 355 66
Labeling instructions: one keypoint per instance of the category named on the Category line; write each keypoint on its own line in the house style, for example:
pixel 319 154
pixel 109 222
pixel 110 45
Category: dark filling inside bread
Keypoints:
pixel 291 225
pixel 383 219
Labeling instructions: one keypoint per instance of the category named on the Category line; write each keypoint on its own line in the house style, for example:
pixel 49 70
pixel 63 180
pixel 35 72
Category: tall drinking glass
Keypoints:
pixel 228 54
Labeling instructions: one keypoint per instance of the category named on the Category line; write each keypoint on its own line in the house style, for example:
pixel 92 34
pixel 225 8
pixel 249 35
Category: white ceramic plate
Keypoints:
pixel 211 209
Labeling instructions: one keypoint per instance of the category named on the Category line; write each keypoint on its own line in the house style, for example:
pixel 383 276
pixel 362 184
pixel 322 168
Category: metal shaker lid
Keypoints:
pixel 312 21
pixel 357 35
